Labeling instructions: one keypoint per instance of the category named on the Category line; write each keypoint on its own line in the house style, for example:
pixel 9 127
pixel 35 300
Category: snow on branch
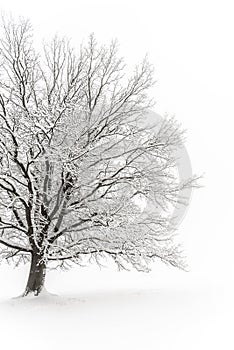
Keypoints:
pixel 76 152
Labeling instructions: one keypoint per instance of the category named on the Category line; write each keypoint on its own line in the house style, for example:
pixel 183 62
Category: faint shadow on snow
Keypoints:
pixel 122 298
pixel 100 296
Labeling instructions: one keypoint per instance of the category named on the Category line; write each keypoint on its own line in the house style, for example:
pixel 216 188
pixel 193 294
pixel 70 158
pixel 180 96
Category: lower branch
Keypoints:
pixel 10 244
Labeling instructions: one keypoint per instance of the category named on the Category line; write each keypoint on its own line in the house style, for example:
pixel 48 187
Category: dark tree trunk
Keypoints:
pixel 36 277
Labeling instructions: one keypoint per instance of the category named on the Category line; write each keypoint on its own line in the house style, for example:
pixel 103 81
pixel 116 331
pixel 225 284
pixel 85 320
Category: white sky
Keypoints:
pixel 190 43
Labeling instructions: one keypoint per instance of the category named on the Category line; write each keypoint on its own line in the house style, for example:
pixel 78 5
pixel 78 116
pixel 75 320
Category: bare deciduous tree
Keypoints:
pixel 75 155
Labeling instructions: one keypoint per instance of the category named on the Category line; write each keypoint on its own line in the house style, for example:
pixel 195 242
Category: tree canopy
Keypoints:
pixel 76 156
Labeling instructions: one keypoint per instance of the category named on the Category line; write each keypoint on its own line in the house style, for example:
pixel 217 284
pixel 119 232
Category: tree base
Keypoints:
pixel 31 294
pixel 34 293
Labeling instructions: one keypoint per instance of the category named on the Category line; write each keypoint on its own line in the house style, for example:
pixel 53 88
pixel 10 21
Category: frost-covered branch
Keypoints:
pixel 76 154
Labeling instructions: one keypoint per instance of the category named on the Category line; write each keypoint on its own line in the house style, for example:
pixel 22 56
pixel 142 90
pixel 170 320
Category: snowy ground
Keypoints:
pixel 166 309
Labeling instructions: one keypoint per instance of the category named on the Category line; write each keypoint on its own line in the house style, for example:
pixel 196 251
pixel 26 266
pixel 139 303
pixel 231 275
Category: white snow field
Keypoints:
pixel 165 309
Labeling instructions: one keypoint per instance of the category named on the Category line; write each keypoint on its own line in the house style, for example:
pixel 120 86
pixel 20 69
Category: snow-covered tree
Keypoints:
pixel 76 157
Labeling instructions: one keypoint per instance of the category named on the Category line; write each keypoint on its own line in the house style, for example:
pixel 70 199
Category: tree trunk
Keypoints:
pixel 36 277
